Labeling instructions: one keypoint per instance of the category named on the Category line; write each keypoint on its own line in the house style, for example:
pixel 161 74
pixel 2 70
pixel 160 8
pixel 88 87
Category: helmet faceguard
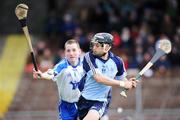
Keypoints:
pixel 101 38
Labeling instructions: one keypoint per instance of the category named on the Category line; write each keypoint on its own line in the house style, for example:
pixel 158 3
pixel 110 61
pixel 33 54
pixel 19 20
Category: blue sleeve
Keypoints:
pixel 120 65
pixel 59 67
pixel 92 58
pixel 85 63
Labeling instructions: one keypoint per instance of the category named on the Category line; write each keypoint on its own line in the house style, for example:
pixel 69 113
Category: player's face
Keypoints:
pixel 98 49
pixel 72 53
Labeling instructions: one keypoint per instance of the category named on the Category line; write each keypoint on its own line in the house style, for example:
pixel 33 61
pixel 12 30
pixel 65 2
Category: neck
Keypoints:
pixel 74 63
pixel 105 56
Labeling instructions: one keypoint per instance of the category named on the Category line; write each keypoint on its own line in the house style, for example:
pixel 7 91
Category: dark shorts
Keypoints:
pixel 67 111
pixel 85 105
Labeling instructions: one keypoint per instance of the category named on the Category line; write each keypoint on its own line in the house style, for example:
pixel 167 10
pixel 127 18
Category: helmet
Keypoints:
pixel 103 38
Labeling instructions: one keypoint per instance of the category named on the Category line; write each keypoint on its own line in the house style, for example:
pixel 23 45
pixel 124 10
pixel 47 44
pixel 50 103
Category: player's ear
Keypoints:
pixel 80 51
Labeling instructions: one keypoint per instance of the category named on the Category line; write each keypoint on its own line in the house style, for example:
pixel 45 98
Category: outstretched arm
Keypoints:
pixel 128 84
pixel 48 75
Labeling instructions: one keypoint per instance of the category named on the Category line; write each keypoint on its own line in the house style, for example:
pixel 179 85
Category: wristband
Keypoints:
pixel 47 76
pixel 121 83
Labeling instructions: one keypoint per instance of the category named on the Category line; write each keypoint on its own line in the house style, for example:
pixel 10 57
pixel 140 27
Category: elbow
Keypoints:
pixel 99 80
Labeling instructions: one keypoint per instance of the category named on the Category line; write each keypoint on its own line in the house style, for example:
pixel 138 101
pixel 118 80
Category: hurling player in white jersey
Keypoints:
pixel 67 74
pixel 102 69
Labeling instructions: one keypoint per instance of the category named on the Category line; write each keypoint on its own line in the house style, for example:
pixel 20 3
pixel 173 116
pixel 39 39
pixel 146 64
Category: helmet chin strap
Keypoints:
pixel 106 49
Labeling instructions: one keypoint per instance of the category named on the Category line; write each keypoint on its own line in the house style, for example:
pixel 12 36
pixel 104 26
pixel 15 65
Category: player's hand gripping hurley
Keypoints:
pixel 163 47
pixel 21 13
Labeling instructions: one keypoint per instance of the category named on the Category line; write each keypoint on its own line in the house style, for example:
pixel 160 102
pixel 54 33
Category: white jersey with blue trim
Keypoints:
pixel 113 67
pixel 67 78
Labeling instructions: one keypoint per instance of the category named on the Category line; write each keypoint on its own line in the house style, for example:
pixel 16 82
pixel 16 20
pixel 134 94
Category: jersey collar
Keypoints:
pixel 110 55
pixel 79 61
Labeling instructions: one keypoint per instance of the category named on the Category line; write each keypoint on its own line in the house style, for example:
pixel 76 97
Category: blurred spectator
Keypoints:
pixel 175 54
pixel 138 58
pixel 147 58
pixel 69 25
pixel 134 32
pixel 126 37
pixel 52 24
pixel 162 67
pixel 100 16
pixel 125 59
pixel 144 30
pixel 46 61
pixel 58 56
pixel 81 38
pixel 41 45
pixel 117 39
pixel 149 44
pixel 167 25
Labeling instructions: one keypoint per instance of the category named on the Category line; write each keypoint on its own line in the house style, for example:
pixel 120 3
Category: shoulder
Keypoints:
pixel 119 64
pixel 85 62
pixel 89 61
pixel 118 60
pixel 60 66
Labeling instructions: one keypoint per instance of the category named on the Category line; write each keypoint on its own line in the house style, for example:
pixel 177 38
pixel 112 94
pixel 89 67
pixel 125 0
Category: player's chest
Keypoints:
pixel 73 74
pixel 108 68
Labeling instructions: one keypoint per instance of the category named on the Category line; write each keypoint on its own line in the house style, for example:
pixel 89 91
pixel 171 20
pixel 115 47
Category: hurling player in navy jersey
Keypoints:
pixel 103 70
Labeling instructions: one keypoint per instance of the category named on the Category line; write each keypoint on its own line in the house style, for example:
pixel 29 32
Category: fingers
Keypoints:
pixel 128 84
pixel 134 82
pixel 131 83
pixel 36 74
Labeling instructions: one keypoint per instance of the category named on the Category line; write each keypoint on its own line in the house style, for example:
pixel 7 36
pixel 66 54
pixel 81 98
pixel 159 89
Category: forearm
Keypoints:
pixel 110 82
pixel 47 76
